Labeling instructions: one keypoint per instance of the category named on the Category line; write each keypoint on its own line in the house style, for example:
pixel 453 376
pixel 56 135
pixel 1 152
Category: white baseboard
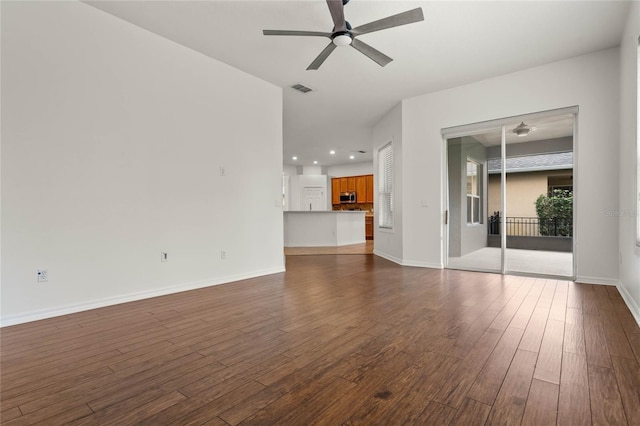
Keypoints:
pixel 387 256
pixel 70 309
pixel 403 262
pixel 420 264
pixel 631 304
pixel 596 280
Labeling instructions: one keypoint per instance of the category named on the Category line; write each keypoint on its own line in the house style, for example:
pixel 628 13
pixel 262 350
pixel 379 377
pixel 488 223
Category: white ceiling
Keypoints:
pixel 542 128
pixel 459 42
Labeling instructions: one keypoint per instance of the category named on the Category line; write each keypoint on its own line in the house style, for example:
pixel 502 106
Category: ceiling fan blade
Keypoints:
pixel 336 8
pixel 322 57
pixel 296 33
pixel 404 18
pixel 373 54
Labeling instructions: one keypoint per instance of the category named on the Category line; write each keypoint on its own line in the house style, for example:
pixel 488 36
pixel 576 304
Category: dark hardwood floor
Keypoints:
pixel 335 340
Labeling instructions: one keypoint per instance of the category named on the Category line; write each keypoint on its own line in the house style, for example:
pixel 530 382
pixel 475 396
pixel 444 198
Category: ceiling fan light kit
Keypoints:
pixel 342 39
pixel 343 35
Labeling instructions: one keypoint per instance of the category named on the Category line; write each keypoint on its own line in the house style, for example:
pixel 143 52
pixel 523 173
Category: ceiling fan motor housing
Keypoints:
pixel 342 38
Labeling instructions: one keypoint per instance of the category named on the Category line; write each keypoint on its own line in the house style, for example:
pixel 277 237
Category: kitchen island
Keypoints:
pixel 323 228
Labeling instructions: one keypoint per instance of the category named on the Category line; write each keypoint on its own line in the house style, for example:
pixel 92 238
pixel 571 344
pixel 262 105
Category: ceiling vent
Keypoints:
pixel 362 152
pixel 301 88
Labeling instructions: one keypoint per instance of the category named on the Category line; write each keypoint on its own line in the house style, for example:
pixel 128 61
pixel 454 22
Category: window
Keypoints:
pixel 562 182
pixel 474 186
pixel 385 186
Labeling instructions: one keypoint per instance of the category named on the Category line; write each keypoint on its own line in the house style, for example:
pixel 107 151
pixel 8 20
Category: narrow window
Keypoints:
pixel 474 171
pixel 385 186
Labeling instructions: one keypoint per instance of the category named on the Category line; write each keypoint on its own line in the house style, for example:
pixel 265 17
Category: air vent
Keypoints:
pixel 362 152
pixel 301 88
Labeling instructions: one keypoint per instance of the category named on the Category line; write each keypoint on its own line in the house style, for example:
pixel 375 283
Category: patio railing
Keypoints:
pixel 532 226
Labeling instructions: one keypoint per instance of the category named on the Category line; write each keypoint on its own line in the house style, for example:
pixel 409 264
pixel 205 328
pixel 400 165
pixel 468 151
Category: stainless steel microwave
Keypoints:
pixel 348 198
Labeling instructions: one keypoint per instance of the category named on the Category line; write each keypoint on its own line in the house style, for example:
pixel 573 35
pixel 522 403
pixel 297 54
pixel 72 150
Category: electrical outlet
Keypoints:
pixel 223 172
pixel 43 275
pixel 223 254
pixel 164 257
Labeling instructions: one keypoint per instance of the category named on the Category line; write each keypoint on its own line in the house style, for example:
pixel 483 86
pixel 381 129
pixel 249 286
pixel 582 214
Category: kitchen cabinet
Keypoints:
pixel 335 190
pixel 370 189
pixel 361 185
pixel 351 183
pixel 361 189
pixel 368 227
pixel 343 184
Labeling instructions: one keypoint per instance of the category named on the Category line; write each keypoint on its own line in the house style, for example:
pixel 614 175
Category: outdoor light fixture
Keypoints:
pixel 522 130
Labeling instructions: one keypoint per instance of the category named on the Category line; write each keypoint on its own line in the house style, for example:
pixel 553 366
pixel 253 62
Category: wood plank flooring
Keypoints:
pixel 363 248
pixel 335 340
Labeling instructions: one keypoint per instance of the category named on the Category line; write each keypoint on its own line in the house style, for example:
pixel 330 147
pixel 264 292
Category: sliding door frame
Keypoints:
pixel 479 127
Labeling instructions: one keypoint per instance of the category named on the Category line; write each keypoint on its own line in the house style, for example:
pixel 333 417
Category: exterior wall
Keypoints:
pixel 465 238
pixel 534 146
pixel 112 143
pixel 523 189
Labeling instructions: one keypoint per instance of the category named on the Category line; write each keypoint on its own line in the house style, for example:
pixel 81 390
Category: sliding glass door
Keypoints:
pixel 471 201
pixel 510 195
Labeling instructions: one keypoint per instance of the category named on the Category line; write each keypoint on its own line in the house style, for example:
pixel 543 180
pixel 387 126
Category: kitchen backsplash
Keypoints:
pixel 358 206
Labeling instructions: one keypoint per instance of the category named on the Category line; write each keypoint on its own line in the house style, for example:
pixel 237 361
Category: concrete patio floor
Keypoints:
pixel 527 261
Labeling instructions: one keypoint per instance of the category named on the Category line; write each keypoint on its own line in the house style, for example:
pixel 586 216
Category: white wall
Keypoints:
pixel 590 82
pixel 314 170
pixel 289 170
pixel 351 169
pixel 388 243
pixel 301 176
pixel 297 185
pixel 112 139
pixel 629 253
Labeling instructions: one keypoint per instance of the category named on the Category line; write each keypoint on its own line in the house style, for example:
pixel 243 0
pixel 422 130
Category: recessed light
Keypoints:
pixel 351 157
pixel 332 152
pixel 294 158
pixel 315 162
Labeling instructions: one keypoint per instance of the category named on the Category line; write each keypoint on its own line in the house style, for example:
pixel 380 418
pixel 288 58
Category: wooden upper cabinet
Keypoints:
pixel 361 185
pixel 370 189
pixel 335 190
pixel 361 189
pixel 351 183
pixel 343 185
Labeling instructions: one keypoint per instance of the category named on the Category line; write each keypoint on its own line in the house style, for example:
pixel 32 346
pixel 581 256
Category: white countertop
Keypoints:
pixel 324 228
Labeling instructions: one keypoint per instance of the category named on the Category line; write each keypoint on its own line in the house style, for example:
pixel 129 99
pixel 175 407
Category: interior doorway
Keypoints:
pixel 509 197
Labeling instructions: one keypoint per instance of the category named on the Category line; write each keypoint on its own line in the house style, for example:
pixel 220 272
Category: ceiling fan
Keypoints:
pixel 343 35
pixel 523 129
